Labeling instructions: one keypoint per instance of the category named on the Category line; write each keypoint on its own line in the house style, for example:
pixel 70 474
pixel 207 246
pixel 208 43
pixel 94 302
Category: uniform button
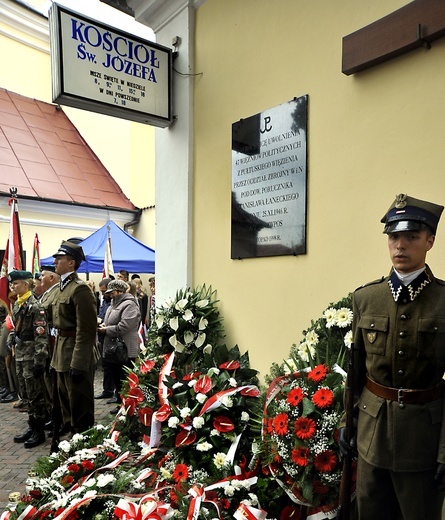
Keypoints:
pixel 400 372
pixel 404 317
pixel 402 334
pixel 405 300
pixel 401 353
pixel 372 325
pixel 364 407
pixel 435 329
pixel 401 406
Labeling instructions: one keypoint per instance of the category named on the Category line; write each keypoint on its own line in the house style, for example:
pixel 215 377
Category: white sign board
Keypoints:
pixel 103 69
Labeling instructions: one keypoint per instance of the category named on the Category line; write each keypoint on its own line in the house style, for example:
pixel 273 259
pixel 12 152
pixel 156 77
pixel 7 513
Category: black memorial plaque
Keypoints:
pixel 269 174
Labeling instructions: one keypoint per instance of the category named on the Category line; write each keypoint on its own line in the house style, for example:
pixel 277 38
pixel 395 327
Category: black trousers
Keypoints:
pixel 118 374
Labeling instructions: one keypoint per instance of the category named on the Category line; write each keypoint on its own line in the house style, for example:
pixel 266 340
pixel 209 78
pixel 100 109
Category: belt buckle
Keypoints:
pixel 400 398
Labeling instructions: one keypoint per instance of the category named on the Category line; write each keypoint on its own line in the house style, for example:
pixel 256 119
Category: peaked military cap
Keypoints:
pixel 19 275
pixel 409 214
pixel 71 249
pixel 51 268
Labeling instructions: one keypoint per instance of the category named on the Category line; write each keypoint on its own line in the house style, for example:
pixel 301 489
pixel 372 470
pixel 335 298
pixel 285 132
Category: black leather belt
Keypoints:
pixel 405 395
pixel 66 333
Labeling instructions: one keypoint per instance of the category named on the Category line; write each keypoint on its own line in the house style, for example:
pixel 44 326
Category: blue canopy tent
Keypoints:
pixel 127 252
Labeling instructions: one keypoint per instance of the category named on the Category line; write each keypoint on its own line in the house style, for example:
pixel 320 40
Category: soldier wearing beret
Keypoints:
pixel 74 317
pixel 29 342
pixel 399 335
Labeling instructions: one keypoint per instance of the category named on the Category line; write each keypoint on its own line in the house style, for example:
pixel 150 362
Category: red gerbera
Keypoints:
pixel 295 396
pixel 318 373
pixel 325 461
pixel 280 424
pixel 180 473
pixel 305 428
pixel 323 398
pixel 300 456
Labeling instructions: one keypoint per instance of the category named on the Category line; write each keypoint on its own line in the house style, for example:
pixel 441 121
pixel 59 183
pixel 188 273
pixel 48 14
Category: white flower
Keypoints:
pixel 304 350
pixel 232 382
pixel 202 303
pixel 245 416
pixel 213 370
pixel 204 446
pixel 207 349
pixel 180 305
pixel 203 322
pixel 219 459
pixel 173 422
pixel 174 323
pixel 105 479
pixel 159 321
pixel 201 398
pixel 178 346
pixel 311 338
pixel 188 337
pixel 330 315
pixel 214 433
pixel 64 446
pixel 188 315
pixel 185 412
pixel 177 385
pixel 192 383
pixel 77 437
pixel 227 401
pixel 289 366
pixel 200 340
pixel 344 317
pixel 348 339
pixel 165 473
pixel 198 422
pixel 229 490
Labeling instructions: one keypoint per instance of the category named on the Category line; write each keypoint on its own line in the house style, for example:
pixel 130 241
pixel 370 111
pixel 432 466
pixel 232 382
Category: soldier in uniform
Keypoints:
pixel 74 317
pixel 399 335
pixel 29 342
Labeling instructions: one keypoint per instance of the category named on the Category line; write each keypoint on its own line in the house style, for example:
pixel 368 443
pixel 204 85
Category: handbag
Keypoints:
pixel 115 351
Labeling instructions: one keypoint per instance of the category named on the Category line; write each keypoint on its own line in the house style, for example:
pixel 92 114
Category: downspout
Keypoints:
pixel 133 222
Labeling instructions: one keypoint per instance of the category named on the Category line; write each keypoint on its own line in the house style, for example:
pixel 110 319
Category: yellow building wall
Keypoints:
pixel 370 136
pixel 125 148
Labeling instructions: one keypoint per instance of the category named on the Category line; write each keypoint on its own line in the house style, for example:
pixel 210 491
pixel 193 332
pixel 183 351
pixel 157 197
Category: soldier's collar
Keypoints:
pixel 413 289
pixel 65 279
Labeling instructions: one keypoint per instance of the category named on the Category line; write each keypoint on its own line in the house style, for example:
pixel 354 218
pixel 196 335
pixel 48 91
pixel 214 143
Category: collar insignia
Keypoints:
pixel 412 290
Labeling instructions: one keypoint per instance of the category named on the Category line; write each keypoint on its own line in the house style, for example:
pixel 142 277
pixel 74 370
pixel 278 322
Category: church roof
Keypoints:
pixel 43 155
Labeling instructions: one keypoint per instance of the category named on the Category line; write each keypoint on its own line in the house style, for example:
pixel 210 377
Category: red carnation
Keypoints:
pixel 74 468
pixel 305 428
pixel 280 424
pixel 223 424
pixel 323 398
pixel 300 456
pixel 35 493
pixel 229 365
pixel 87 465
pixel 110 455
pixel 318 373
pixel 203 385
pixel 325 461
pixel 295 396
pixel 180 473
pixel 67 480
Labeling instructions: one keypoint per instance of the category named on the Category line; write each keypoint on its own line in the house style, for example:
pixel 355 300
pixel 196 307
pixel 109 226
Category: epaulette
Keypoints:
pixel 374 282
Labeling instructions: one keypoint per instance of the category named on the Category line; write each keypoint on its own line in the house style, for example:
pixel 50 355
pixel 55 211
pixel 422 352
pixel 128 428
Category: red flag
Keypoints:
pixel 13 257
pixel 36 255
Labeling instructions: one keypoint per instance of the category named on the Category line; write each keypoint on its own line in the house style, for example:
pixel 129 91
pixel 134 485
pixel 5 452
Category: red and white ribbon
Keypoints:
pixel 165 370
pixel 216 400
pixel 250 513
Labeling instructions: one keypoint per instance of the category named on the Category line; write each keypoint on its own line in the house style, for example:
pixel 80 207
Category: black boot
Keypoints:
pixel 23 437
pixel 38 435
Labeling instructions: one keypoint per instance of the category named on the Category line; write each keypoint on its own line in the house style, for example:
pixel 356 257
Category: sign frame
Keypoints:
pixel 144 64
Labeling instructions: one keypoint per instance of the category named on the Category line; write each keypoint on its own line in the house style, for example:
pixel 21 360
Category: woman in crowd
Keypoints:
pixel 121 321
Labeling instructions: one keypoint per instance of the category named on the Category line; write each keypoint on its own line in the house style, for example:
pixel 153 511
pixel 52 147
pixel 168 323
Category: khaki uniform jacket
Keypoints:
pixel 401 345
pixel 29 337
pixel 74 313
